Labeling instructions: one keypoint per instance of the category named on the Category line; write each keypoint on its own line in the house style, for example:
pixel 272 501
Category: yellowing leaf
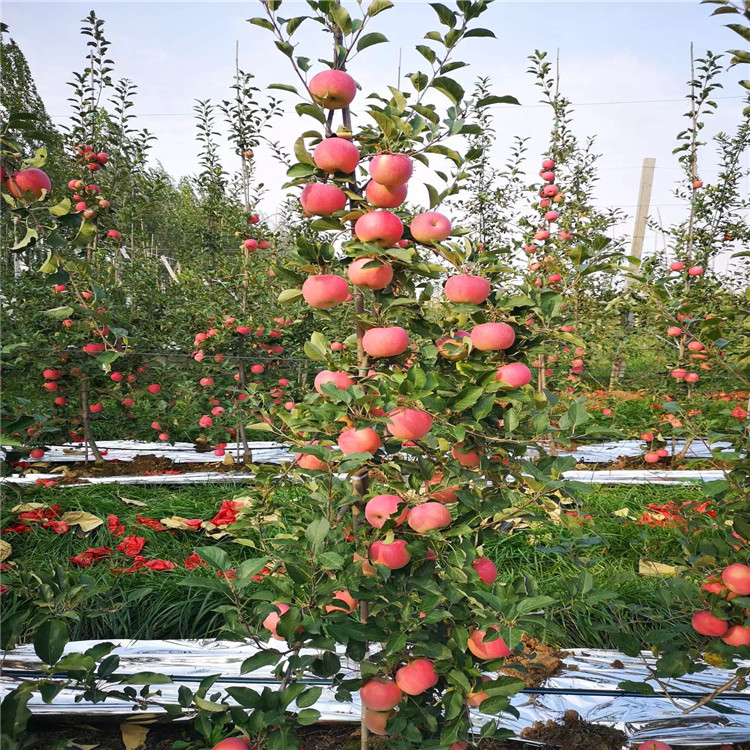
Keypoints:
pixel 133 736
pixel 622 512
pixel 86 521
pixel 5 550
pixel 137 503
pixel 178 522
pixel 27 507
pixel 655 569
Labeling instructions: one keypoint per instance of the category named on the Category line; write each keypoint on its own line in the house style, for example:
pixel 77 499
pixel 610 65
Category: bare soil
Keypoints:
pixel 535 663
pixel 573 733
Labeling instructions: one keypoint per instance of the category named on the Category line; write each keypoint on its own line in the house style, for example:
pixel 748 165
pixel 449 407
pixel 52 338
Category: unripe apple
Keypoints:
pixel 514 375
pixel 341 380
pixel 393 555
pixel 428 517
pixel 29 184
pixel 272 620
pixel 417 676
pixel 325 291
pixel 382 508
pixel 430 226
pixel 391 169
pixel 467 289
pixel 385 196
pixel 736 578
pixel 322 200
pixel 486 569
pixel 336 155
pixel 359 441
pixel 385 342
pixel 333 89
pixel 368 273
pixel 482 649
pixel 380 694
pixel 342 595
pixel 409 424
pixel 675 265
pixel 492 336
pixel 382 227
pixel 706 624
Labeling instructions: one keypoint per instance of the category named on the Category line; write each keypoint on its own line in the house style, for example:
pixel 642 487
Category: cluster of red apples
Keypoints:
pixel 734 581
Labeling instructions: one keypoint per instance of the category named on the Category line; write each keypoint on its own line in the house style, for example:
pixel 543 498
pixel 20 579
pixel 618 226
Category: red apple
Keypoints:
pixel 61 401
pixel 391 169
pixel 695 346
pixel 492 336
pixel 322 200
pixel 674 331
pixel 453 346
pixel 736 578
pixel 385 342
pixel 465 458
pixel 359 441
pixel 430 226
pixel 333 89
pixel 654 745
pixel 548 164
pixel 29 184
pixel 50 385
pixel 675 265
pixel 51 374
pixel 336 155
pixel 706 624
pixel 382 227
pixel 514 375
pixel 325 291
pixel 737 635
pixel 342 595
pixel 380 694
pixel 368 273
pixel 309 462
pixel 467 289
pixel 428 517
pixel 487 650
pixel 36 453
pixel 375 721
pixel 447 495
pixel 486 569
pixel 385 196
pixel 695 270
pixel 340 379
pixel 652 457
pixel 393 555
pixel 417 676
pixel 233 743
pixel 382 508
pixel 409 424
pixel 678 373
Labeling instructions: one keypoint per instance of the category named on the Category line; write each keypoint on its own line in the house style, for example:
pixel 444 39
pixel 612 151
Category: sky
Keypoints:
pixel 624 65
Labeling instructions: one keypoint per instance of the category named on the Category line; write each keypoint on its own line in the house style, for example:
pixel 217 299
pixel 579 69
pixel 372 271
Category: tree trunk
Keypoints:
pixel 88 435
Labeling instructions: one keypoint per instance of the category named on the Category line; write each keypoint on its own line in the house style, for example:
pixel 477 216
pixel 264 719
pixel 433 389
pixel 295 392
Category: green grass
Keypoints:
pixel 591 570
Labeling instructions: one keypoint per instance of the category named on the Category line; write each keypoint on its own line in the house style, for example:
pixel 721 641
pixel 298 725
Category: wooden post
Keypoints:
pixel 88 434
pixel 169 268
pixel 636 248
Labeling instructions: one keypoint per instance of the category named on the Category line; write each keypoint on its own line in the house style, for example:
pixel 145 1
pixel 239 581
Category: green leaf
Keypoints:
pixel 317 531
pixel 268 657
pixel 246 697
pixel 289 295
pixel 488 100
pixel 14 713
pixel 285 48
pixel 449 87
pixel 308 716
pixel 368 40
pixel 479 32
pixel 309 697
pixel 283 87
pixel 306 108
pixel 641 688
pixel 378 6
pixel 74 663
pixel 447 17
pixel 49 640
pixel 248 568
pixel 427 53
pixel 61 208
pixel 31 234
pixel 313 353
pixel 216 557
pixel 466 398
pixel 210 706
pixel 58 313
pixel 264 23
pixel 531 603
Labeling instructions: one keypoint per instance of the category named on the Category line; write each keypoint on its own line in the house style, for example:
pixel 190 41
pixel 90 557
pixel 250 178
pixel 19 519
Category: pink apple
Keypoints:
pixel 430 226
pixel 272 620
pixel 29 184
pixel 447 495
pixel 234 743
pixel 736 578
pixel 365 440
pixel 322 200
pixel 385 196
pixel 483 649
pixel 652 457
pixel 695 270
pixel 333 89
pixel 205 421
pixel 416 677
pixel 50 385
pixel 541 235
pixel 465 458
pixel 428 517
pixel 336 155
pixel 382 508
pixel 309 462
pixel 486 569
pixel 325 291
pixel 467 289
pixel 96 408
pixel 340 379
pixel 551 216
pixel 692 377
pixel 547 175
pixel 678 373
pixel 707 624
pixel 654 745
pixel 409 424
pixel 342 596
pixel 737 635
pixel 550 191
pixel 380 694
pixel 50 374
pixel 376 721
pixel 548 164
pixel 674 331
pixel 250 244
pixel 368 273
pixel 385 342
pixel 514 374
pixel 675 265
pixel 393 555
pixel 695 346
pixel 391 169
pixel 492 336
pixel 382 227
